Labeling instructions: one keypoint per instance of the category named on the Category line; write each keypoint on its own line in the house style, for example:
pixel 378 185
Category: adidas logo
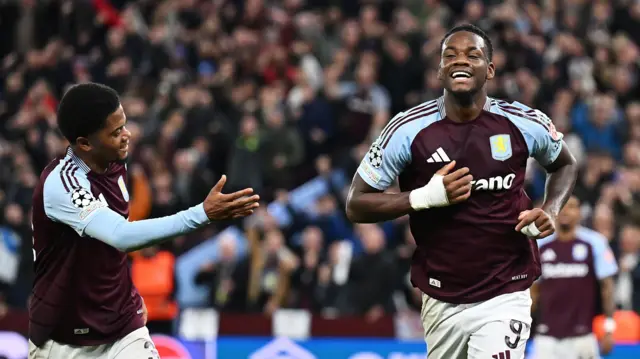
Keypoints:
pixel 439 156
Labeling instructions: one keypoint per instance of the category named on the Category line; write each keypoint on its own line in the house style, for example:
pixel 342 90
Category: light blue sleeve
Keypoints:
pixel 92 217
pixel 543 140
pixel 391 152
pixel 604 261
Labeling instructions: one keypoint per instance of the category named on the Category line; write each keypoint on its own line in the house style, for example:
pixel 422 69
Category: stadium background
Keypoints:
pixel 285 96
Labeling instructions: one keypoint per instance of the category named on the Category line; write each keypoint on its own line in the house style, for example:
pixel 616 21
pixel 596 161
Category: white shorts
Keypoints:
pixel 494 329
pixel 582 347
pixel 136 345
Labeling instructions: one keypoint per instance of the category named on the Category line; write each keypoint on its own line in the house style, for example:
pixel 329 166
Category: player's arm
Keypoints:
pixel 606 268
pixel 552 153
pixel 561 178
pixel 367 201
pixel 535 295
pixel 93 217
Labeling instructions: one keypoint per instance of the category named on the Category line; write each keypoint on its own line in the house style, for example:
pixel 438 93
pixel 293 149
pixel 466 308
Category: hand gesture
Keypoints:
pixel 220 206
pixel 457 184
pixel 542 220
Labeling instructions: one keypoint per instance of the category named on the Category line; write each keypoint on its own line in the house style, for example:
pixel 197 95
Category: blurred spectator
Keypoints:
pixel 153 273
pixel 226 278
pixel 270 268
pixel 372 275
pixel 627 293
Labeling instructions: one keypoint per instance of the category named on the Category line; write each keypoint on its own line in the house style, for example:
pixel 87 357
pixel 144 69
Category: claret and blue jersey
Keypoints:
pixel 467 252
pixel 569 282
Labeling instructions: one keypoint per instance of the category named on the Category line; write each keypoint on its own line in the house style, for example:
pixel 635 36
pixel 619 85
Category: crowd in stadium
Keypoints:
pixel 286 97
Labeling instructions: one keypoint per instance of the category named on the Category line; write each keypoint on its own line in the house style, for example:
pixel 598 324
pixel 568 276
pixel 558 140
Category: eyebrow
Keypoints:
pixel 469 48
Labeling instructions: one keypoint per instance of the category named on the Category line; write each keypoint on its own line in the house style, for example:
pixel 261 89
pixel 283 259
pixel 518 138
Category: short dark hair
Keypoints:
pixel 473 29
pixel 84 109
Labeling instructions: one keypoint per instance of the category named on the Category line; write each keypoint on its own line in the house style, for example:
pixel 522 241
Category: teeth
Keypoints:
pixel 460 74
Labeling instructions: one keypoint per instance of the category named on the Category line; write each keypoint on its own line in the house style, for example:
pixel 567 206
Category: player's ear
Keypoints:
pixel 491 71
pixel 440 72
pixel 83 143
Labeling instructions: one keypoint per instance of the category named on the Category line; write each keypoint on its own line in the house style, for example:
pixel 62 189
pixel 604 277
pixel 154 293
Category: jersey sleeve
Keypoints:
pixel 91 217
pixel 604 260
pixel 542 138
pixel 386 158
pixel 74 207
pixel 548 141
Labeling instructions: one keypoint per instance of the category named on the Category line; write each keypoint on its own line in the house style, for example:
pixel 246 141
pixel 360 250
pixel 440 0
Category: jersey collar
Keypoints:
pixel 77 161
pixel 443 112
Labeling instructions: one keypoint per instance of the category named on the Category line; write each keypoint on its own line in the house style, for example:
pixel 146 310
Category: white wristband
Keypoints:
pixel 609 325
pixel 433 194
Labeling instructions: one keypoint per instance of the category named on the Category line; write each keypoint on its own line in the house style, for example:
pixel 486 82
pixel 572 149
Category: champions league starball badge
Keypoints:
pixel 81 198
pixel 375 155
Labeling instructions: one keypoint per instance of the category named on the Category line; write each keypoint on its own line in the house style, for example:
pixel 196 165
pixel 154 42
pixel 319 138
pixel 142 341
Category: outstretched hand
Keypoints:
pixel 221 206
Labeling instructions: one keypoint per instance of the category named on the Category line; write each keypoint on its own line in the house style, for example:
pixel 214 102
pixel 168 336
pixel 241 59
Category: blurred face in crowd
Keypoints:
pixel 372 237
pixel 273 242
pixel 603 221
pixel 464 66
pixel 569 217
pixel 351 34
pixel 630 239
pixel 603 110
pixel 365 75
pixel 312 239
pixel 227 248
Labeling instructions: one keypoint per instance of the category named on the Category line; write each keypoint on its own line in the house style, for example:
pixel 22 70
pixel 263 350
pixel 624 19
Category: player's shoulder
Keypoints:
pixel 595 239
pixel 407 124
pixel 64 176
pixel 524 117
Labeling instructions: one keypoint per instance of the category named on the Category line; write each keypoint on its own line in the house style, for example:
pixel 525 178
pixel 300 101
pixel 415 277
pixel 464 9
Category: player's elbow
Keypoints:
pixel 353 214
pixel 120 243
pixel 115 236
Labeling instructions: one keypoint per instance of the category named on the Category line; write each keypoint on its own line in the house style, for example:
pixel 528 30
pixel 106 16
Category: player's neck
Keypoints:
pixel 566 236
pixel 460 109
pixel 94 166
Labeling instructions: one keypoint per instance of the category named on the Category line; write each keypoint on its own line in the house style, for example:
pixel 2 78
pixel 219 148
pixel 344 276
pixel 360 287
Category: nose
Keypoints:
pixel 126 133
pixel 461 60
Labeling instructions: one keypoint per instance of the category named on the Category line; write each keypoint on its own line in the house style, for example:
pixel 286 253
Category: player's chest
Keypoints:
pixel 112 190
pixel 487 148
pixel 573 260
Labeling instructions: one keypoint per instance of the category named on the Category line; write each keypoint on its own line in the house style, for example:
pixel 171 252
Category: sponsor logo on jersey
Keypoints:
pixel 564 270
pixel 496 183
pixel 90 209
pixel 370 172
